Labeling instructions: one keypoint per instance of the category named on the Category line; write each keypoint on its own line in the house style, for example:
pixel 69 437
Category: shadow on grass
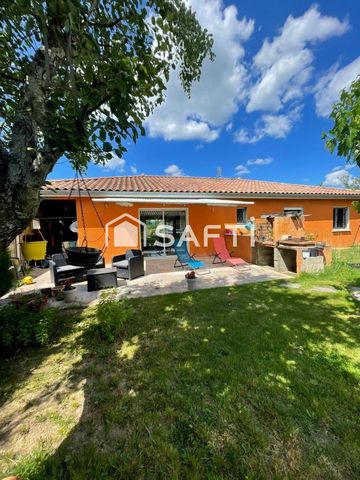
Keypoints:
pixel 31 358
pixel 30 382
pixel 253 381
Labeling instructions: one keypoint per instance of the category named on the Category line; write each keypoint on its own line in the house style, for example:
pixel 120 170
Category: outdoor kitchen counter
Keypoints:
pixel 304 245
pixel 274 255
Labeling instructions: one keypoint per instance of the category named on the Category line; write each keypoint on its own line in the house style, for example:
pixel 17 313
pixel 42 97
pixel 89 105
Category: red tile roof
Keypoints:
pixel 154 183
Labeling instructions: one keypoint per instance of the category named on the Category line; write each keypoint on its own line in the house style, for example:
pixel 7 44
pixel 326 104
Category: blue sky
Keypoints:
pixel 260 108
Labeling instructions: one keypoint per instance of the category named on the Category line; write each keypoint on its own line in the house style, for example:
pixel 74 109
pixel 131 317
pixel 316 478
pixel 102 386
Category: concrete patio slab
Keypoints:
pixel 163 283
pixel 319 288
pixel 175 282
pixel 291 285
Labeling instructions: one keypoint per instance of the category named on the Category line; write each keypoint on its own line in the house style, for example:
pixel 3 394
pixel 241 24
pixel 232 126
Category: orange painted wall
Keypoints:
pixel 320 221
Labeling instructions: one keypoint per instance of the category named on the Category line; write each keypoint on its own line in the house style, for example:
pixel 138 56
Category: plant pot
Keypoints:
pixel 34 250
pixel 57 292
pixel 69 295
pixel 191 283
pixel 57 289
pixel 46 291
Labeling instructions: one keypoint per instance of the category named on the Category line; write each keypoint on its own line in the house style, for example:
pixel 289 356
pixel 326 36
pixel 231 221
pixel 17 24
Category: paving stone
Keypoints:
pixel 355 293
pixel 324 289
pixel 291 285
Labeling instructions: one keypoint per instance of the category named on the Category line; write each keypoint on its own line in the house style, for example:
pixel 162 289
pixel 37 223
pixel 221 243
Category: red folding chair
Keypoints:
pixel 222 254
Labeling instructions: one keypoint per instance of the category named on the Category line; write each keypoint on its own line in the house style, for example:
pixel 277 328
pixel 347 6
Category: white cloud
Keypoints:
pixel 260 161
pixel 241 170
pixel 334 178
pixel 276 126
pixel 284 64
pixel 216 97
pixel 174 171
pixel 328 88
pixel 133 169
pixel 172 128
pixel 282 82
pixel 115 163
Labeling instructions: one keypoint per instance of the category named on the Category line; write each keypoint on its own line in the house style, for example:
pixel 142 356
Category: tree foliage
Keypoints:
pixel 105 63
pixel 352 183
pixel 78 78
pixel 344 137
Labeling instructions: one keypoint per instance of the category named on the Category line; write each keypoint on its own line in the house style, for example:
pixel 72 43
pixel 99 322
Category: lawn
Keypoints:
pixel 249 382
pixel 338 273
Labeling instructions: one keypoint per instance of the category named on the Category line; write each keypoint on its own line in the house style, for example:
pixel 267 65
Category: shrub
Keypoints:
pixel 6 276
pixel 111 316
pixel 22 327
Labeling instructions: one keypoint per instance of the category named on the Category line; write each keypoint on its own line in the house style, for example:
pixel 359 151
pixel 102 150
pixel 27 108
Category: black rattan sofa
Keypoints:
pixel 60 270
pixel 130 265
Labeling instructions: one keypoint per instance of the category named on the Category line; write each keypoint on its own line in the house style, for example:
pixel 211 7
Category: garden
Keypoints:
pixel 252 381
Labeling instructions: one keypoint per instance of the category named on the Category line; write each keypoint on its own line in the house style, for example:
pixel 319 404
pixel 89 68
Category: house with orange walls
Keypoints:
pixel 105 206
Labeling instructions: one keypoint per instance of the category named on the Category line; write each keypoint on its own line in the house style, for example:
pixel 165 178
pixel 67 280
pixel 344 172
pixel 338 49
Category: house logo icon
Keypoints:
pixel 126 231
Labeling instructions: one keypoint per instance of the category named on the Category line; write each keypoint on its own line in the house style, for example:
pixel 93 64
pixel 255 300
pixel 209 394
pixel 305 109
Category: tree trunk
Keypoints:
pixel 21 178
pixel 18 207
pixel 19 199
pixel 24 166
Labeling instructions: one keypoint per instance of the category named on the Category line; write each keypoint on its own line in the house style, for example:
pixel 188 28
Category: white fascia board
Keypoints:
pixel 131 195
pixel 216 202
pixel 64 194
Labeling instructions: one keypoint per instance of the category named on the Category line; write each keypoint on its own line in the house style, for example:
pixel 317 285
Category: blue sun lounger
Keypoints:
pixel 184 259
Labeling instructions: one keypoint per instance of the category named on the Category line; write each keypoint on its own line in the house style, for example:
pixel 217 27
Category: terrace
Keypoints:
pixel 162 278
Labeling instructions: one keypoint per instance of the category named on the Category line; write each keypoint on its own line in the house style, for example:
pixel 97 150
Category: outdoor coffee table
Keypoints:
pixel 99 278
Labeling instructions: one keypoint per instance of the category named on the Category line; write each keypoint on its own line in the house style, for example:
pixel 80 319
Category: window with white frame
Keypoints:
pixel 241 215
pixel 341 218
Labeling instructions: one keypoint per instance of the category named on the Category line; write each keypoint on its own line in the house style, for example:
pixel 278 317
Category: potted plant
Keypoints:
pixel 69 291
pixel 191 279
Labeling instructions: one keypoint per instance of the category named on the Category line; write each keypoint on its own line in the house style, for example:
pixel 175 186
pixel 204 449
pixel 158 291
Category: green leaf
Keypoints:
pixel 107 147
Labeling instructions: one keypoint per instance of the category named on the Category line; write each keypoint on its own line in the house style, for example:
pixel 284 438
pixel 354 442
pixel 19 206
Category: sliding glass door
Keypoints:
pixel 174 219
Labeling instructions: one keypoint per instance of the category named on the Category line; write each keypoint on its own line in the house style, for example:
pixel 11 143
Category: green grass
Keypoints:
pixel 339 273
pixel 248 382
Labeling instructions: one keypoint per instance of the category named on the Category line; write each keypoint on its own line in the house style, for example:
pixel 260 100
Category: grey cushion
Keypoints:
pixel 69 268
pixel 121 264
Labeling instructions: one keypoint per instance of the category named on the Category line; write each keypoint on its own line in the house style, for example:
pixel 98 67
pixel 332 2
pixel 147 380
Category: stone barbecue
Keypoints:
pixel 282 243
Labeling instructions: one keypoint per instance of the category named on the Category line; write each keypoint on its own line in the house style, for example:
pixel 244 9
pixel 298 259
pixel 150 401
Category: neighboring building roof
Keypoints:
pixel 208 185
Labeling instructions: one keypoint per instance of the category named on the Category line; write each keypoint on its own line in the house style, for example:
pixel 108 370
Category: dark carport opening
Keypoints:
pixel 55 217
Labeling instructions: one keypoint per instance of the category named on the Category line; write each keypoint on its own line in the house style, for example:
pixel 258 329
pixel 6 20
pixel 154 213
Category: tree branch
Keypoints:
pixel 13 78
pixel 105 25
pixel 87 111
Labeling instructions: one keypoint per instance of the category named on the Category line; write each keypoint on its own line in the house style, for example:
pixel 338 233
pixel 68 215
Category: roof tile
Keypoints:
pixel 154 183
